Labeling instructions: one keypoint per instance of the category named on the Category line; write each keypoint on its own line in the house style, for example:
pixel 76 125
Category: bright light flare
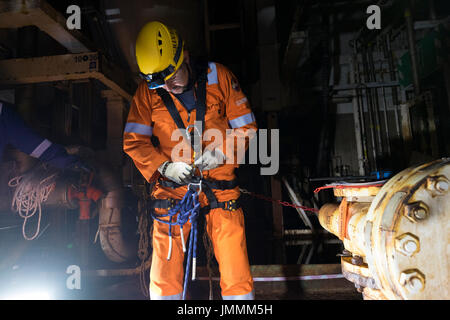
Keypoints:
pixel 28 295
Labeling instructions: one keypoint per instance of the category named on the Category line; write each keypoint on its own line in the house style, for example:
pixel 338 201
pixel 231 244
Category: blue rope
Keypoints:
pixel 188 209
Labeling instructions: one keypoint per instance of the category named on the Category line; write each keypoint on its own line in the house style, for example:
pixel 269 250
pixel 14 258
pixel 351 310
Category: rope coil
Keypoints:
pixel 187 210
pixel 31 191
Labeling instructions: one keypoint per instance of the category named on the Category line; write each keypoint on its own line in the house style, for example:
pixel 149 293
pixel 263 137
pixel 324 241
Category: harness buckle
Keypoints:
pixel 195 138
pixel 231 205
pixel 198 183
pixel 172 204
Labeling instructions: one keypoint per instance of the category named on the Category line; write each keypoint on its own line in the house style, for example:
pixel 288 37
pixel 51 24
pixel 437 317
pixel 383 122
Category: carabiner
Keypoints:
pixel 188 133
pixel 198 184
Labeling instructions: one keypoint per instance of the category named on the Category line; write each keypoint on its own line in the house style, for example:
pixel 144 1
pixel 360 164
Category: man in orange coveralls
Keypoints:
pixel 177 93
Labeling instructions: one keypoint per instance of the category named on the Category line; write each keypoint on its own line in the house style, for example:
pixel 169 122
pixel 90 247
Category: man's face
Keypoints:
pixel 179 81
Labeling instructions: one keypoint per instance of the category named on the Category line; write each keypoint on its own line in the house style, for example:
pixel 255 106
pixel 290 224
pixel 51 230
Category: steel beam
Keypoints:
pixel 296 281
pixel 115 118
pixel 18 14
pixel 89 65
pixel 271 282
pixel 275 272
pixel 412 49
pixel 277 210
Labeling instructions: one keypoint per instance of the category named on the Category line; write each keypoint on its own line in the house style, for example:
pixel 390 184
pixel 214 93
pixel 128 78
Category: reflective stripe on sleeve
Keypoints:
pixel 40 149
pixel 212 76
pixel 241 101
pixel 132 127
pixel 242 120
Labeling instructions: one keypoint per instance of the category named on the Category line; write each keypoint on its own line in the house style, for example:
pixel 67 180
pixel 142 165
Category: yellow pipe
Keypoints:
pixel 347 226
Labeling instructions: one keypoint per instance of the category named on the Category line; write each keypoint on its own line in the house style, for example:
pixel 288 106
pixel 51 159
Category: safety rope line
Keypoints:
pixel 31 190
pixel 283 203
pixel 209 252
pixel 350 186
pixel 329 186
pixel 187 210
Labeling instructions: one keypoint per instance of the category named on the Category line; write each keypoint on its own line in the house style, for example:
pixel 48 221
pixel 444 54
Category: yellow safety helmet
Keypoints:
pixel 159 53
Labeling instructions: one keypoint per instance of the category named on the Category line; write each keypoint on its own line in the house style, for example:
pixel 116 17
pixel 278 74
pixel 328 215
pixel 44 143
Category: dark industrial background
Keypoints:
pixel 348 102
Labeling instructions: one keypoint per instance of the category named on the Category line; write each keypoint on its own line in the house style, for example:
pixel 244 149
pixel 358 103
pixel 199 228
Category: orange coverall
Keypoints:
pixel 226 108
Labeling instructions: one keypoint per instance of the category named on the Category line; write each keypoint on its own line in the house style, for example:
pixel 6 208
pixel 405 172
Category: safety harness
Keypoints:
pixel 200 92
pixel 188 209
pixel 201 69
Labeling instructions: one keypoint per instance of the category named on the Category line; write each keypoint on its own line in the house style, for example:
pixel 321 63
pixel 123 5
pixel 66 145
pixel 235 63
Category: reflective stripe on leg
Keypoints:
pixel 248 296
pixel 154 296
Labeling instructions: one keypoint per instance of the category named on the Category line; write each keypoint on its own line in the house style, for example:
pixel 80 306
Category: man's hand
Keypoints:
pixel 79 173
pixel 178 172
pixel 81 166
pixel 210 160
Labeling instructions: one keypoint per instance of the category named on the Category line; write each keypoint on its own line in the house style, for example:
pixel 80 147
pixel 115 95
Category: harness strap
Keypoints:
pixel 200 89
pixel 207 186
pixel 202 70
pixel 165 96
pixel 213 184
pixel 230 205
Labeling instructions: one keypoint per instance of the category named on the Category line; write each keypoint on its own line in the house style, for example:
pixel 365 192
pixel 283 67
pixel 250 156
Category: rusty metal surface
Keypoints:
pixel 360 280
pixel 402 237
pixel 356 192
pixel 343 221
pixel 116 245
pixel 329 217
pixel 373 294
pixel 407 234
pixel 358 274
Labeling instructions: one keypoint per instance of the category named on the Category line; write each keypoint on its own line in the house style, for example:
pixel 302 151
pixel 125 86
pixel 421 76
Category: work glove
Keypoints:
pixel 178 172
pixel 210 160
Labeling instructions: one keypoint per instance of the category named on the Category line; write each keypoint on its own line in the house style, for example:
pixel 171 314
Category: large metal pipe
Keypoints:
pixel 345 220
pixel 397 237
pixel 112 241
pixel 19 166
